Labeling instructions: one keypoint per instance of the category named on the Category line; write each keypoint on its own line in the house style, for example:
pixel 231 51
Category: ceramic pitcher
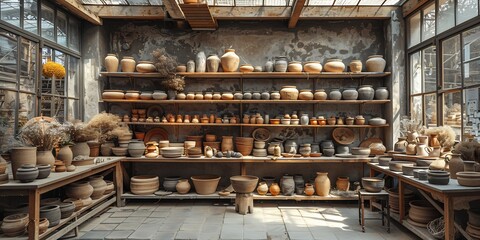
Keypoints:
pixel 423 149
pixel 435 151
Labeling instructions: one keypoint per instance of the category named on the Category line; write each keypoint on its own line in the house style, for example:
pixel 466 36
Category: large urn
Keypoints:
pixel 375 63
pixel 230 61
pixel 111 63
pixel 322 184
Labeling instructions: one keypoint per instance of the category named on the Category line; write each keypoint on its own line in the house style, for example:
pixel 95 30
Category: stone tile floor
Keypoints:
pixel 207 220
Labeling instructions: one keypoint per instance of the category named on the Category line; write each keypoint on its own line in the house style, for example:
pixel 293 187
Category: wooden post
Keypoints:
pixel 33 214
pixel 118 181
pixel 449 217
pixel 401 200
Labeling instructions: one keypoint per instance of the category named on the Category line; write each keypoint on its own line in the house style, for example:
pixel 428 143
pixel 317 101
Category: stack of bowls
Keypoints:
pixel 124 140
pixel 14 225
pixel 172 152
pixel 393 199
pixel 163 143
pixel 259 150
pixel 120 151
pixel 473 227
pixel 365 151
pixel 244 145
pixel 144 184
pixel 468 179
pixel 422 212
pixel 384 161
pixel 438 177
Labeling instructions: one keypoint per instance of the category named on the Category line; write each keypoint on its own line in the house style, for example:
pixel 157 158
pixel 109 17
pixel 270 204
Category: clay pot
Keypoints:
pixel 343 183
pixel 230 61
pixel 227 96
pixel 144 184
pixel 80 149
pixel 305 150
pixel 106 149
pixel 355 66
pixel 401 145
pixel 372 184
pixel 27 173
pixel 322 184
pixel 349 94
pixel 290 146
pixel 170 183
pixel 381 93
pixel 145 67
pixel 280 64
pixel 183 186
pixel 334 65
pixel 66 209
pixel 262 188
pixel 393 199
pixel 245 68
pixel 309 190
pixel 43 225
pixel 99 186
pixel 205 184
pixel 438 177
pixel 294 66
pixel 45 157
pixel 111 63
pixel 213 62
pixel 79 190
pixel 159 95
pixel 50 201
pixel 65 154
pixel 244 183
pixel 289 93
pixel 299 184
pixel 132 95
pixel 181 68
pixel 320 94
pixel 200 62
pixel 227 143
pixel 128 64
pixel 422 212
pixel 287 185
pixel 52 213
pixel 113 94
pixel 312 67
pixel 455 164
pixel 335 94
pixel 366 92
pixel 191 66
pixel 136 148
pixel 274 189
pixel 14 225
pixel 328 152
pixel 94 148
pixel 44 171
pixel 110 187
pixel 146 95
pixel 375 63
pixel 305 94
pixel 244 145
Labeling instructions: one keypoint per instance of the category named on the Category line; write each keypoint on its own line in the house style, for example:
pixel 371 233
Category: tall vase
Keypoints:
pixel 20 156
pixel 45 157
pixel 322 184
pixel 65 154
pixel 81 148
pixel 230 61
pixel 213 62
pixel 201 62
pixel 111 63
pixel 128 64
pixel 227 143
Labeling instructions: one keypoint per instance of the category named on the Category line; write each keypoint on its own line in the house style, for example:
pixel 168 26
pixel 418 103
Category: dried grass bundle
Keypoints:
pixel 7 136
pixel 409 125
pixel 80 132
pixel 105 123
pixel 164 62
pixel 470 150
pixel 446 135
pixel 43 134
pixel 174 82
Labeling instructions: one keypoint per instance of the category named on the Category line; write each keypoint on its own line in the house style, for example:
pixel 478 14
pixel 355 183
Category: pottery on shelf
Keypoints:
pixel 99 186
pixel 280 64
pixel 372 184
pixel 438 177
pixel 43 225
pixel 110 187
pixel 366 92
pixel 44 171
pixel 244 145
pixel 181 68
pixel 136 148
pixel 322 184
pixel 246 68
pixel 170 183
pixel 65 155
pixel 335 94
pixel 274 189
pixel 334 65
pixel 213 63
pixel 80 149
pixel 145 67
pixel 244 183
pixel 79 190
pixel 183 186
pixel 27 173
pixel 14 225
pixel 355 66
pixel 262 188
pixel 455 164
pixel 20 156
pixel 159 95
pixel 294 66
pixel 309 190
pixel 400 145
pixel 305 94
pixel 132 95
pixel 127 64
pixel 52 213
pixel 343 183
pixel 422 212
pixel 205 184
pixel 230 61
pixel 289 93
pixel 144 184
pixel 94 147
pixel 349 94
pixel 113 94
pixel 375 63
pixel 312 67
pixel 111 63
pixel 66 209
pixel 200 62
pixel 381 93
pixel 320 94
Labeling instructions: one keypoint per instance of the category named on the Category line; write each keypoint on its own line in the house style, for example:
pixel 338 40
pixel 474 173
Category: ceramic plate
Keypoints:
pixel 162 193
pixel 344 136
pixel 350 156
pixel 156 134
pixel 261 134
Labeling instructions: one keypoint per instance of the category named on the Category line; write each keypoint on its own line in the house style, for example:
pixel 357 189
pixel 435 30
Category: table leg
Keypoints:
pixel 33 214
pixel 363 214
pixel 372 172
pixel 401 200
pixel 243 169
pixel 449 217
pixel 119 183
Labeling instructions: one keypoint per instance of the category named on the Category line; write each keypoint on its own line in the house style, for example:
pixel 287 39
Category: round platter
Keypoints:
pixel 344 136
pixel 261 134
pixel 156 134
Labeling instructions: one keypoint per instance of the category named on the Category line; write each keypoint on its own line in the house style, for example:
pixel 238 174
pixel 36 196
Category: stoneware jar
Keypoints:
pixel 227 143
pixel 15 224
pixel 349 94
pixel 305 150
pixel 183 186
pixel 146 95
pixel 65 154
pixel 294 66
pixel 290 146
pixel 111 63
pixel 180 96
pixel 52 213
pixel 335 94
pixel 320 94
pixel 281 64
pixel 66 209
pixel 304 119
pixel 343 183
pixel 198 96
pixel 355 66
pixel 381 93
pixel 455 164
pixel 268 67
pixel 44 171
pixel 230 61
pixel 322 184
pixel 200 62
pixel 256 95
pixel 275 95
pixel 312 67
pixel 247 95
pixel 227 96
pixel 375 63
pixel 208 96
pixel 181 68
pixel 191 66
pixel 262 188
pixel 99 186
pixel 146 67
pixel 159 95
pixel 128 64
pixel 27 173
pixel 265 95
pixel 238 96
pixel 136 148
pixel 289 93
pixel 213 62
pixel 287 185
pixel 305 94
pixel 299 184
pixel 366 92
pixel 334 65
pixel 170 183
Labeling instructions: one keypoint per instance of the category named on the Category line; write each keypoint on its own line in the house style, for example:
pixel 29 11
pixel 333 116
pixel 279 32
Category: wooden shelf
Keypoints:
pixel 249 101
pixel 249 159
pixel 420 232
pixel 254 125
pixel 255 75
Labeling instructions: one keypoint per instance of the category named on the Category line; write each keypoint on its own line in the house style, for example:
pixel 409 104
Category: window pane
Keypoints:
pixel 416 107
pixel 472 121
pixel 73 109
pixel 466 10
pixel 48 19
pixel 27 107
pixel 8 106
pixel 8 60
pixel 28 68
pixel 61 28
pixel 73 34
pixel 414 30
pixel 471 50
pixel 431 110
pixel 60 83
pixel 10 11
pixel 30 16
pixel 446 15
pixel 452 76
pixel 452 110
pixel 415 73
pixel 429 69
pixel 73 77
pixel 428 22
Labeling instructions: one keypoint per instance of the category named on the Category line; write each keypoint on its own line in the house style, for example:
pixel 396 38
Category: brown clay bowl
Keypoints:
pixel 244 184
pixel 468 182
pixel 398 165
pixel 275 121
pixel 422 212
pixel 205 184
pixel 372 184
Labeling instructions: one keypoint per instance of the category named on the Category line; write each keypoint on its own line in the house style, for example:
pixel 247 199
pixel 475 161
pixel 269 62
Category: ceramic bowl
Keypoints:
pixel 438 177
pixel 120 151
pixel 205 184
pixel 44 171
pixel 372 184
pixel 274 121
pixel 260 152
pixel 360 151
pixel 286 121
pixel 244 183
pixel 377 121
pixel 397 165
pixel 384 161
pixel 259 144
pixel 83 162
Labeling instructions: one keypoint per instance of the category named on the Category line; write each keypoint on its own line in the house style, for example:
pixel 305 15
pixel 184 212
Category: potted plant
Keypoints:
pixel 173 84
pixel 106 125
pixel 80 133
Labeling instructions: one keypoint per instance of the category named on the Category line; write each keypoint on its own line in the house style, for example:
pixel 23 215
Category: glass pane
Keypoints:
pixel 416 108
pixel 452 110
pixel 472 115
pixel 30 16
pixel 52 106
pixel 61 28
pixel 73 34
pixel 47 55
pixel 249 2
pixel 28 66
pixel 10 11
pixel 431 110
pixel 466 10
pixel 60 83
pixel 48 20
pixel 8 60
pixel 73 109
pixel 429 69
pixel 27 108
pixel 428 22
pixel 446 15
pixel 8 106
pixel 414 30
pixel 73 77
pixel 471 50
pixel 452 76
pixel 415 73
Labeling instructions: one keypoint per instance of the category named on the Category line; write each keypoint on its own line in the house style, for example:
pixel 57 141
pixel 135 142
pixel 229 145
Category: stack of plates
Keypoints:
pixel 469 179
pixel 172 152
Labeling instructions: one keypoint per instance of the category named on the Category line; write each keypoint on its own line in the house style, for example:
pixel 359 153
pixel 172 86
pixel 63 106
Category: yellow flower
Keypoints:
pixel 51 69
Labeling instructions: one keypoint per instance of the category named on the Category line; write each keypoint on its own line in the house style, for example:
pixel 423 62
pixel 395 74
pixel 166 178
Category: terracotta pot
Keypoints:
pixel 198 140
pixel 79 190
pixel 343 183
pixel 230 61
pixel 144 184
pixel 205 184
pixel 27 173
pixel 289 93
pixel 99 186
pixel 65 154
pixel 422 212
pixel 80 149
pixel 305 94
pixel 94 148
pixel 377 148
pixel 128 64
pixel 274 189
pixel 111 63
pixel 14 225
pixel 262 188
pixel 136 148
pixel 244 183
pixel 213 62
pixel 393 199
pixel 294 66
pixel 20 156
pixel 132 95
pixel 244 145
pixel 455 164
pixel 145 67
pixel 320 94
pixel 312 67
pixel 43 225
pixel 322 184
pixel 170 183
pixel 183 186
pixel 355 66
pixel 381 93
pixel 227 143
pixel 66 209
pixel 280 64
pixel 45 157
pixel 309 190
pixel 52 213
pixel 334 65
pixel 375 63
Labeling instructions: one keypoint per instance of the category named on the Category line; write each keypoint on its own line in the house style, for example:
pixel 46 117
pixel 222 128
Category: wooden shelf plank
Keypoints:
pixel 421 232
pixel 254 125
pixel 249 101
pixel 255 75
pixel 249 159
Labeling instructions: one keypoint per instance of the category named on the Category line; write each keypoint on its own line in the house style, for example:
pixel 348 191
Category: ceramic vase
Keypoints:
pixel 335 94
pixel 299 184
pixel 45 157
pixel 268 66
pixel 65 154
pixel 183 186
pixel 334 65
pixel 94 148
pixel 128 64
pixel 343 183
pixel 262 188
pixel 322 184
pixel 99 186
pixel 111 63
pixel 350 94
pixel 159 95
pixel 200 62
pixel 106 149
pixel 287 185
pixel 81 149
pixel 213 62
pixel 355 66
pixel 280 64
pixel 305 94
pixel 295 66
pixel 230 61
pixel 455 164
pixel 375 63
pixel 274 189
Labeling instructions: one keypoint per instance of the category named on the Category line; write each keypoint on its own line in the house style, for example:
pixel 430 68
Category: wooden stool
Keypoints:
pixel 244 203
pixel 384 207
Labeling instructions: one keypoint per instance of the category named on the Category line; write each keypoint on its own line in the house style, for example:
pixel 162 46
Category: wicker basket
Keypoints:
pixel 437 228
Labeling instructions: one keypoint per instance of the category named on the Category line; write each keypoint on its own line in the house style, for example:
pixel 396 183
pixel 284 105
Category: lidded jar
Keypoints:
pixel 199 96
pixel 238 95
pixel 190 96
pixel 208 96
pixel 247 95
pixel 289 93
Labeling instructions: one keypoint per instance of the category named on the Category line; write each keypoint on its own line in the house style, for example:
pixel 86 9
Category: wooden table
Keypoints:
pixel 56 180
pixel 447 192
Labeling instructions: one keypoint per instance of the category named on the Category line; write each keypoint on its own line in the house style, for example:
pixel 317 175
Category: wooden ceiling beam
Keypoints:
pixel 128 12
pixel 79 10
pixel 348 12
pixel 174 9
pixel 297 10
pixel 411 5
